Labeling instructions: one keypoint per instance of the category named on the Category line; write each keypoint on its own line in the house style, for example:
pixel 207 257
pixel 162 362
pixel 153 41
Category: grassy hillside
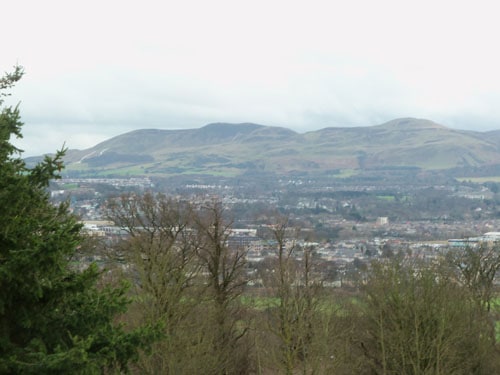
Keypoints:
pixel 233 149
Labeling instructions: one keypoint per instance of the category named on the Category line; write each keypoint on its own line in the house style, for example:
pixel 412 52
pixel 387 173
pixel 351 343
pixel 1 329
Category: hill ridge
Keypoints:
pixel 231 149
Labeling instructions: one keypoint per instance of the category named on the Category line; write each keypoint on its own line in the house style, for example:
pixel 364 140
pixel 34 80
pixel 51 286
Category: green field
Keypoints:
pixel 70 186
pixel 478 180
pixel 387 198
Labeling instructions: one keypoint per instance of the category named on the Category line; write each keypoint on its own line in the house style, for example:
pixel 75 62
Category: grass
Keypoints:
pixel 387 198
pixel 127 171
pixel 478 180
pixel 222 172
pixel 495 305
pixel 259 303
pixel 339 305
pixel 345 173
pixel 76 167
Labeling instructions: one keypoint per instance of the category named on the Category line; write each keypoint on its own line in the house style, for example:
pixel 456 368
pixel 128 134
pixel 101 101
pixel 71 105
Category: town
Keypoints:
pixel 345 222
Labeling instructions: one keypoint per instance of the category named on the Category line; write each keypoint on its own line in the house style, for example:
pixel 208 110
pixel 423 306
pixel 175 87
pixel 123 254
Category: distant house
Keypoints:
pixel 382 220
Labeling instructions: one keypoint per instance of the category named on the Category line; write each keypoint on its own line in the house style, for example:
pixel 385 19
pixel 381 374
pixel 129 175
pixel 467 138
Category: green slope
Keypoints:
pixel 234 149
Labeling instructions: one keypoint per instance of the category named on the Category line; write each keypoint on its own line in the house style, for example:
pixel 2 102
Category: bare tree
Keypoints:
pixel 417 320
pixel 223 267
pixel 295 319
pixel 478 267
pixel 160 253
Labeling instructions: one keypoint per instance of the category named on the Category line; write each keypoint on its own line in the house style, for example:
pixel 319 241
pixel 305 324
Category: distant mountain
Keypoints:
pixel 234 149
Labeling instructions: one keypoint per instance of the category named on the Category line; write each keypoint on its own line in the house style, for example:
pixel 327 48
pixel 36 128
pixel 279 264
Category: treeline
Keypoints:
pixel 405 316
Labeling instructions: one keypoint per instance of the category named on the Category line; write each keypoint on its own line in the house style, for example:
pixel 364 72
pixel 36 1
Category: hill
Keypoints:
pixel 235 149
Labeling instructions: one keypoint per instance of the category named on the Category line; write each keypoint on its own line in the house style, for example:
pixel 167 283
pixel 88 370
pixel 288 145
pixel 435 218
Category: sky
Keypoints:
pixel 99 68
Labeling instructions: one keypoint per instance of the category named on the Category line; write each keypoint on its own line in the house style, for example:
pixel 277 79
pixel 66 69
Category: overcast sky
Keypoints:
pixel 100 68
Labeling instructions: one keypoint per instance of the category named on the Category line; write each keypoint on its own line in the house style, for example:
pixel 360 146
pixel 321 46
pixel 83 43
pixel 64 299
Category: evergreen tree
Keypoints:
pixel 53 318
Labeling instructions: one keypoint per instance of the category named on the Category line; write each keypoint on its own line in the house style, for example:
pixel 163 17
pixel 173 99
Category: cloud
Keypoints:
pixel 99 69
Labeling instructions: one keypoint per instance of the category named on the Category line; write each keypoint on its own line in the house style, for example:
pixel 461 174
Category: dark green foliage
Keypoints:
pixel 53 318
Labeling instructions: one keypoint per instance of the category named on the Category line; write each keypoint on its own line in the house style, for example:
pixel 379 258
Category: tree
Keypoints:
pixel 53 318
pixel 189 279
pixel 160 247
pixel 161 253
pixel 417 320
pixel 225 279
pixel 477 268
pixel 303 332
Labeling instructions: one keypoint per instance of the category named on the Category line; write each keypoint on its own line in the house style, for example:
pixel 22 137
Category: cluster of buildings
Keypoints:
pixel 489 238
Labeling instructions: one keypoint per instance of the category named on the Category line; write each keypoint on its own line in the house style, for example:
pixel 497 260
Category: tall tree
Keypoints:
pixel 161 251
pixel 53 318
pixel 189 279
pixel 302 332
pixel 225 279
